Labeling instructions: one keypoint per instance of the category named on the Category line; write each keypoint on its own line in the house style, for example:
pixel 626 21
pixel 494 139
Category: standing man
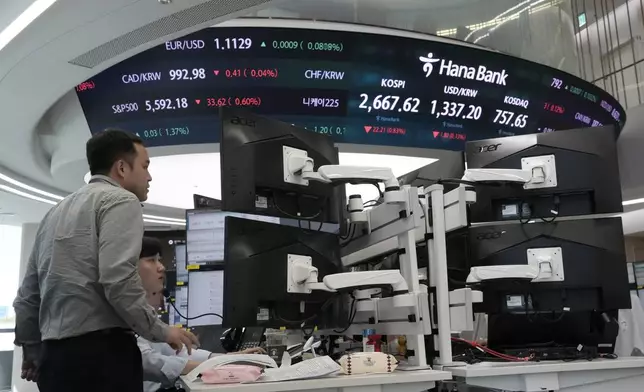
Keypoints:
pixel 82 296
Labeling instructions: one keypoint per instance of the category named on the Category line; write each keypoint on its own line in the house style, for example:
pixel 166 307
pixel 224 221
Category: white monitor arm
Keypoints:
pixel 303 167
pixel 302 277
pixel 516 176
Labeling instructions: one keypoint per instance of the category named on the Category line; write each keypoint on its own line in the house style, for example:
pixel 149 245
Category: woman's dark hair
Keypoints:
pixel 151 247
pixel 107 147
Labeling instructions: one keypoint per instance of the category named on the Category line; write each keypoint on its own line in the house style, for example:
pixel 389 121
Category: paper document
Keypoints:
pixel 311 368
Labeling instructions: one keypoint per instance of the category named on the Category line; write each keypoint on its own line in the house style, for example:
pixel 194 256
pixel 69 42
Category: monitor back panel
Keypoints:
pixel 587 169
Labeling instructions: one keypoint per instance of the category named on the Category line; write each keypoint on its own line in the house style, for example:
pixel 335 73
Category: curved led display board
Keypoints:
pixel 358 87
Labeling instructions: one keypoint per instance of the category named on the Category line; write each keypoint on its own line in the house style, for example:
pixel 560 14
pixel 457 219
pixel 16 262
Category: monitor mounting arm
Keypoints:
pixel 300 169
pixel 302 277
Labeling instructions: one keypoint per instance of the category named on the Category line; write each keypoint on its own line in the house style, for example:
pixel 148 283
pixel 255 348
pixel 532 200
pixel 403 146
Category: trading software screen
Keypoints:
pixel 205 235
pixel 205 295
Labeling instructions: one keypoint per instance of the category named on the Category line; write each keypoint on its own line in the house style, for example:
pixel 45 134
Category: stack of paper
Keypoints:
pixel 312 368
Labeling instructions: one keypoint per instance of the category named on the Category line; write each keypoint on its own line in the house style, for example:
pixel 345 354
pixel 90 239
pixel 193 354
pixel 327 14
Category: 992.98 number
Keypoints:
pixel 186 74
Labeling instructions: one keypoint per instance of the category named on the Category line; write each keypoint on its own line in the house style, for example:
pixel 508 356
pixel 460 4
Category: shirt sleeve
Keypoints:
pixel 27 305
pixel 157 367
pixel 197 355
pixel 120 237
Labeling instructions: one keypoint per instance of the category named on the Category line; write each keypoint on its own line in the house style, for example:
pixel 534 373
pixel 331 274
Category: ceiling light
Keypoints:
pixel 23 20
pixel 164 222
pixel 171 220
pixel 27 195
pixel 164 2
pixel 29 188
pixel 631 202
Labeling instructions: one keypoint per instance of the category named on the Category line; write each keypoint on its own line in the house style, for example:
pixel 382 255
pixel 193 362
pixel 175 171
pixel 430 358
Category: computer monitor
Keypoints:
pixel 205 295
pixel 450 165
pixel 255 276
pixel 205 235
pixel 180 262
pixel 595 279
pixel 252 168
pixel 587 175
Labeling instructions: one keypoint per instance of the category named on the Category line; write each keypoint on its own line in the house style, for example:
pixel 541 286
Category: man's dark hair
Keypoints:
pixel 107 147
pixel 150 247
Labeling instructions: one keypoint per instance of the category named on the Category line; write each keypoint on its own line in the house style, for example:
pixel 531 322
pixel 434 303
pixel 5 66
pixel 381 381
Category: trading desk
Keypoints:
pixel 613 375
pixel 399 381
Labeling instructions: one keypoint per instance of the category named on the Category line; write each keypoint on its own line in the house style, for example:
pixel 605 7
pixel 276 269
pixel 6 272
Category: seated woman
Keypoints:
pixel 162 366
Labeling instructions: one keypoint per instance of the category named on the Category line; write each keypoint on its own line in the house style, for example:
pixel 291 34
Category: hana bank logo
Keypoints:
pixel 428 65
pixel 454 70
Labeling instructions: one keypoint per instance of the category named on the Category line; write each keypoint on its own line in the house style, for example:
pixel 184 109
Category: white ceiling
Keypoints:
pixel 175 179
pixel 35 70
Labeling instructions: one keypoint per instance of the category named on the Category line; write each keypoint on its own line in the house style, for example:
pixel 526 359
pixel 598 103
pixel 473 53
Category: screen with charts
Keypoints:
pixel 205 295
pixel 205 235
pixel 181 303
pixel 180 259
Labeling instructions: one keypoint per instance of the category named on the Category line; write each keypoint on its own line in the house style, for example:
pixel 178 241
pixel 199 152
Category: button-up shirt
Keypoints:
pixel 162 366
pixel 82 273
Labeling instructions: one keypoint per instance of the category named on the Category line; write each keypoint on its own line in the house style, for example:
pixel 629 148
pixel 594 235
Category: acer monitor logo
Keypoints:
pixel 490 235
pixel 489 147
pixel 243 121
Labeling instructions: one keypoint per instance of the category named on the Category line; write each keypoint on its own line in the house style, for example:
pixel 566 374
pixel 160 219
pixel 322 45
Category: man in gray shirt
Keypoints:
pixel 82 296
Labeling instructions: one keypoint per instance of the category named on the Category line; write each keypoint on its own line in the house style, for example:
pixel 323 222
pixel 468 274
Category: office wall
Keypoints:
pixel 610 47
pixel 634 249
pixel 28 237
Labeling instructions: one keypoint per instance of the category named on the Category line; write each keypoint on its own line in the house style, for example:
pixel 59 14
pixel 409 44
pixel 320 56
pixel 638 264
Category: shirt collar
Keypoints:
pixel 102 178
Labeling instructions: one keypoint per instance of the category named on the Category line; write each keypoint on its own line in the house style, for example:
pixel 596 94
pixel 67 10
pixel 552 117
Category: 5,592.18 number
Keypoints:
pixel 166 104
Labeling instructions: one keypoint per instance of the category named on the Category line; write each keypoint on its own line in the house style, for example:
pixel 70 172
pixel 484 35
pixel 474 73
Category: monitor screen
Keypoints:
pixel 181 303
pixel 180 260
pixel 361 87
pixel 205 235
pixel 205 295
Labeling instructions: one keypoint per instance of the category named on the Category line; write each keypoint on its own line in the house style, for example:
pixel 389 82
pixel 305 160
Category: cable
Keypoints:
pixel 190 318
pixel 492 352
pixel 555 211
pixel 353 232
pixel 344 237
pixel 277 207
pixel 352 314
pixel 313 316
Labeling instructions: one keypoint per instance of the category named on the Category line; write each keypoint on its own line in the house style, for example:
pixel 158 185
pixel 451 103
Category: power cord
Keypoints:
pixel 170 299
pixel 277 207
pixel 352 315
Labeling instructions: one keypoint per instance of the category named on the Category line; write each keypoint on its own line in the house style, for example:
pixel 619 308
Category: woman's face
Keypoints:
pixel 152 274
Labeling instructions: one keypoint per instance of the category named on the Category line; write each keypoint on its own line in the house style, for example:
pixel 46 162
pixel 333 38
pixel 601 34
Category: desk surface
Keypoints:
pixel 505 369
pixel 398 377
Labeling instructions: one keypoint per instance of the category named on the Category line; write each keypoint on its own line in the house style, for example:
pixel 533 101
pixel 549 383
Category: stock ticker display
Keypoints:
pixel 357 87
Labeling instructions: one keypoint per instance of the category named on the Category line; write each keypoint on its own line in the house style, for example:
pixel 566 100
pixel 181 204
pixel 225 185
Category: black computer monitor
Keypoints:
pixel 252 167
pixel 450 165
pixel 586 169
pixel 522 313
pixel 255 276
